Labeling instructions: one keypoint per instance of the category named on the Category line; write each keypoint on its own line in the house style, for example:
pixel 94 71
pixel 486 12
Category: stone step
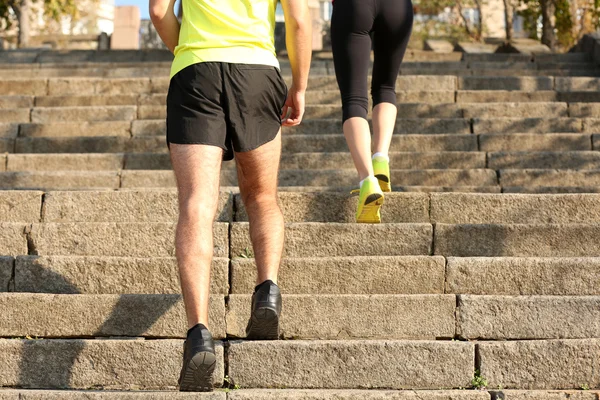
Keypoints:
pixel 517 240
pixel 524 83
pixel 20 206
pixel 61 180
pixel 535 142
pixel 338 177
pixel 531 125
pixel 523 276
pixel 114 239
pixel 314 239
pixel 372 364
pixel 107 275
pixel 84 364
pixel 541 160
pixel 355 316
pixel 352 275
pixel 66 162
pixel 119 315
pixel 532 364
pixel 503 96
pixel 31 394
pixel 78 129
pixel 527 317
pixel 545 177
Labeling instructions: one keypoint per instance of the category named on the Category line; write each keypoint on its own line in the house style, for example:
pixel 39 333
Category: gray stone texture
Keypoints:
pixel 559 276
pixel 86 101
pixel 515 110
pixel 584 110
pixel 7 145
pixel 85 315
pixel 354 316
pixel 75 130
pixel 12 239
pixel 133 239
pixel 68 114
pixel 352 364
pixel 14 115
pixel 9 130
pixel 341 207
pixel 463 208
pixel 65 162
pixel 106 144
pixel 6 272
pixel 339 239
pixel 534 142
pixel 529 84
pixel 18 101
pixel 20 206
pixel 549 395
pixel 545 160
pixel 591 125
pixel 91 364
pixel 111 395
pixel 108 275
pixel 352 275
pixel 122 206
pixel 528 317
pixel 23 87
pixel 543 364
pixel 98 86
pixel 149 127
pixel 493 96
pixel 527 125
pixel 349 394
pixel 59 180
pixel 546 177
pixel 571 84
pixel 531 240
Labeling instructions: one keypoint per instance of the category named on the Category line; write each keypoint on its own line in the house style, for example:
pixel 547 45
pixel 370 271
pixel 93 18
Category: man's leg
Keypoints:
pixel 257 176
pixel 197 170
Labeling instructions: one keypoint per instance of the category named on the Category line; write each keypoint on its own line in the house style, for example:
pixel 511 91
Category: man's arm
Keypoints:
pixel 166 23
pixel 299 47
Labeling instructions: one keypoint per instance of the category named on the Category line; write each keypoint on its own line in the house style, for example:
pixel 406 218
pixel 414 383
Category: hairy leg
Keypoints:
pixel 197 170
pixel 257 176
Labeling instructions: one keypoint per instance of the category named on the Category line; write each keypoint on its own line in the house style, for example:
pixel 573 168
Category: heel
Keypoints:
pixel 264 325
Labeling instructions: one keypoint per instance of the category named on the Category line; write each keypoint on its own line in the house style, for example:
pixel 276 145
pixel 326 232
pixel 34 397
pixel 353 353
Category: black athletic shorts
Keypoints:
pixel 236 107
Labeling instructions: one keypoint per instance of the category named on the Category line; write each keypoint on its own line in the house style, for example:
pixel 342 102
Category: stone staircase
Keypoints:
pixel 482 283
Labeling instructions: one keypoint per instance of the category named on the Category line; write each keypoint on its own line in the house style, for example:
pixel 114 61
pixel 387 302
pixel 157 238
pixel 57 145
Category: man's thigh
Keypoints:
pixel 197 170
pixel 258 169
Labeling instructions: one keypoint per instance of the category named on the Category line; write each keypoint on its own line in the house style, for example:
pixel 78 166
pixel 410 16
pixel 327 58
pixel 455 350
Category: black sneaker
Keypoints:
pixel 266 308
pixel 198 361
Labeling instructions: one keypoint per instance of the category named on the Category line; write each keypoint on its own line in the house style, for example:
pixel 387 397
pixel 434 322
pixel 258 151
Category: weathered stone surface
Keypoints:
pixel 86 364
pixel 515 110
pixel 67 114
pixel 403 126
pixel 581 84
pixel 524 276
pixel 545 177
pixel 61 180
pixel 528 317
pixel 458 208
pixel 86 101
pixel 354 316
pixel 407 82
pixel 595 142
pixel 149 127
pixel 546 160
pixel 9 130
pixel 145 144
pixel 14 115
pixel 550 189
pixel 407 110
pixel 545 364
pixel 76 130
pixel 591 125
pixel 3 162
pixel 315 239
pixel 122 206
pixel 20 206
pixel 115 239
pixel 154 99
pixel 348 394
pixel 120 395
pixel 549 395
pixel 7 145
pixel 152 112
pixel 584 110
pixel 528 84
pixel 23 87
pixel 65 162
pixel 352 275
pixel 84 315
pixel 154 161
pixel 586 97
pixel 108 275
pixel 366 364
pixel 132 179
pixel 527 125
pixel 534 142
pixel 429 97
pixel 531 240
pixel 6 272
pixel 497 96
pixel 102 86
pixel 106 144
pixel 341 207
pixel 12 239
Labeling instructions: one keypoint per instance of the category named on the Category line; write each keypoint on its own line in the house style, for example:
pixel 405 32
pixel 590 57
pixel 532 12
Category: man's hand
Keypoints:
pixel 294 105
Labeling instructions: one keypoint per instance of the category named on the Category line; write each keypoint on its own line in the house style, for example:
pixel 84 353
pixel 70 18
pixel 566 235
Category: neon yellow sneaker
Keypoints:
pixel 370 201
pixel 381 167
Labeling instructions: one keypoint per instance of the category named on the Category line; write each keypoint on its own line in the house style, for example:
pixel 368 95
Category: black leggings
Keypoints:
pixel 353 22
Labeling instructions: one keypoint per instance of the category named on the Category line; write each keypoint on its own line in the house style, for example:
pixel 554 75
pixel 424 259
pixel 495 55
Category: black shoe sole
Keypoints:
pixel 264 325
pixel 198 376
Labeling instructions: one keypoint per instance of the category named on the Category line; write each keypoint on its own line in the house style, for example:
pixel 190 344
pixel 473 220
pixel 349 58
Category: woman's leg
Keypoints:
pixel 351 24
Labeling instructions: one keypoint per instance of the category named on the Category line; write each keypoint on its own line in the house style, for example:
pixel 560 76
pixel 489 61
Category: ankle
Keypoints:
pixel 381 155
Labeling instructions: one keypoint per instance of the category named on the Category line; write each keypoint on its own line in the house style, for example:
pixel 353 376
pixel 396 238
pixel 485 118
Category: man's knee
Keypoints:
pixel 198 208
pixel 260 200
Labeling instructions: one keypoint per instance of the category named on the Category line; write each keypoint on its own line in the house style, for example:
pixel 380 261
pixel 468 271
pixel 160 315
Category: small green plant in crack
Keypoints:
pixel 230 384
pixel 247 253
pixel 585 386
pixel 478 381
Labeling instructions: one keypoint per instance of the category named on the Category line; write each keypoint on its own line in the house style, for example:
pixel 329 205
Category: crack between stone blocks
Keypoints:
pixel 11 282
pixel 43 207
pixel 432 249
pixel 31 246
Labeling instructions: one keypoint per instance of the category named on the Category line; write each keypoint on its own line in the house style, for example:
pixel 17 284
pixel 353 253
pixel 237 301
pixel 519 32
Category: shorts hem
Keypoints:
pixel 268 140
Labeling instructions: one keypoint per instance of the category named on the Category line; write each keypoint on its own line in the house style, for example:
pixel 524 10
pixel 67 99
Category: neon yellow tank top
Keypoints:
pixel 232 31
